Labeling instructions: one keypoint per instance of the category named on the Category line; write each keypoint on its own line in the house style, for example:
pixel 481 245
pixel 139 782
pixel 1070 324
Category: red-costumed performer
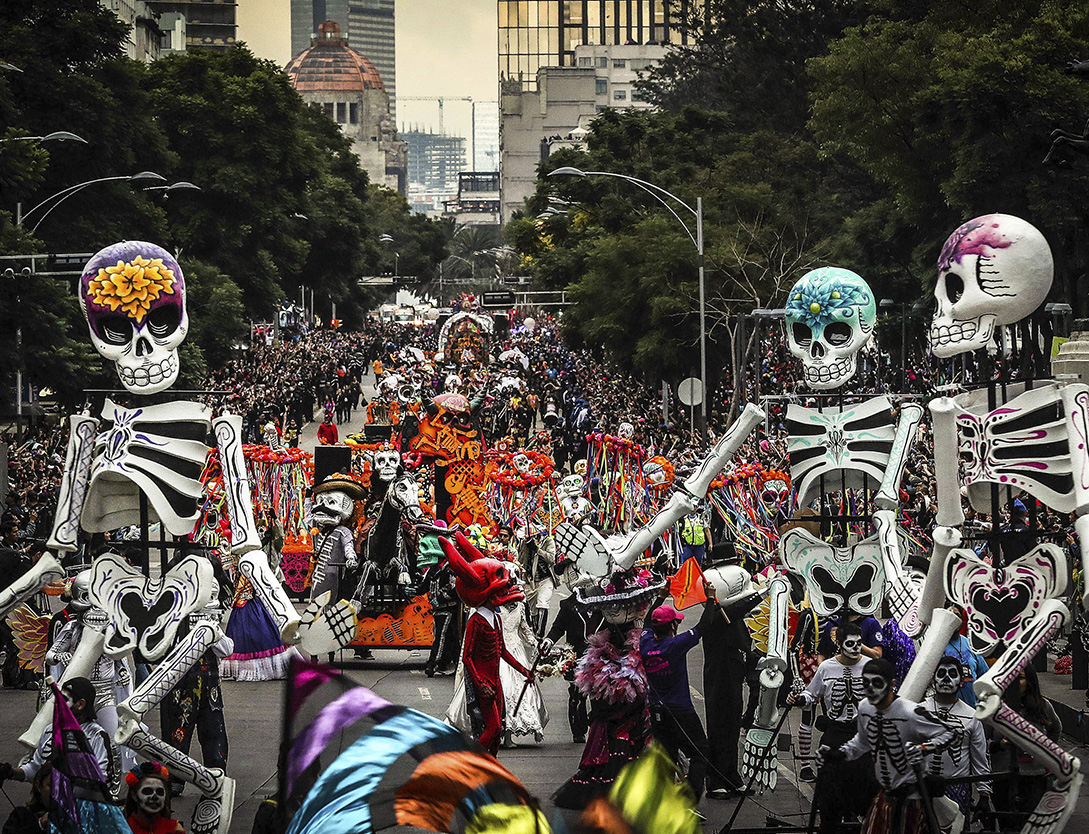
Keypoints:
pixel 484 584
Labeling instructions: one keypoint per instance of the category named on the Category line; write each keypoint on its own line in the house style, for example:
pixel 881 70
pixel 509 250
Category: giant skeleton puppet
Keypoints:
pixel 995 271
pixel 830 317
pixel 133 296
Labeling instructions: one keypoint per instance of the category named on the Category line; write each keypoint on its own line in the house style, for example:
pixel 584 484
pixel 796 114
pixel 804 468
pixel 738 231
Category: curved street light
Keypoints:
pixel 55 136
pixel 182 185
pixel 148 177
pixel 659 193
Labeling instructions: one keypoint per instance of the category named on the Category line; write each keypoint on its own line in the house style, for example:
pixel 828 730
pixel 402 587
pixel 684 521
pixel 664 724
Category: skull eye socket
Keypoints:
pixel 802 333
pixel 954 287
pixel 115 330
pixel 838 333
pixel 163 321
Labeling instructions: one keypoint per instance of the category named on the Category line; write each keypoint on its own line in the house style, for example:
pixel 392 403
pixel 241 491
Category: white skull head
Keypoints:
pixel 626 431
pixel 993 271
pixel 521 463
pixel 81 591
pixel 830 316
pixel 332 508
pixel 133 295
pixel 571 486
pixel 387 464
pixel 731 582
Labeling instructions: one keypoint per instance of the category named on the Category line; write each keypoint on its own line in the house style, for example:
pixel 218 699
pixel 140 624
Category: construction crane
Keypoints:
pixel 440 99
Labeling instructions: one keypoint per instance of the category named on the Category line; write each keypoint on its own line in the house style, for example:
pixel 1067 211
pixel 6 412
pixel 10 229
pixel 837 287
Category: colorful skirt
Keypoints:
pixel 618 733
pixel 259 653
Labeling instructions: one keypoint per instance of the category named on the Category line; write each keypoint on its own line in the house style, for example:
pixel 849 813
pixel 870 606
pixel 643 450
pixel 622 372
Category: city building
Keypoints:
pixel 556 110
pixel 477 202
pixel 346 85
pixel 434 160
pixel 370 28
pixel 485 135
pixel 144 40
pixel 545 33
pixel 204 24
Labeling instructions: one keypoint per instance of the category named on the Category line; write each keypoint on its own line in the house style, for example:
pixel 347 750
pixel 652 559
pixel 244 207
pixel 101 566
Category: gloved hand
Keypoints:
pixel 914 753
pixel 829 754
pixel 545 647
pixel 7 772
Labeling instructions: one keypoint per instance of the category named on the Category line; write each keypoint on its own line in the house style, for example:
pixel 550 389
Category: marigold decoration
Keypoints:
pixel 132 286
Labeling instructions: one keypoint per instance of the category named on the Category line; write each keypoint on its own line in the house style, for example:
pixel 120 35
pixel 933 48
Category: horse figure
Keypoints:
pixel 388 568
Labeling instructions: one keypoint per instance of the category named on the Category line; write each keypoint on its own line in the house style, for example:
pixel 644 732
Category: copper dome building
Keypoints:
pixel 341 81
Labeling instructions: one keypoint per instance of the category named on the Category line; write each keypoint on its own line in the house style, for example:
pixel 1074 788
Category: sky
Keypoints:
pixel 444 48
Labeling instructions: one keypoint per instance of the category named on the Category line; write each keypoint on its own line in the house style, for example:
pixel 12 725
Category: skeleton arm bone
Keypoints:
pixel 932 597
pixel 73 489
pixel 169 672
pixel 946 462
pixel 694 489
pixel 888 496
pixel 236 485
pixel 901 595
pixel 45 571
pixel 944 624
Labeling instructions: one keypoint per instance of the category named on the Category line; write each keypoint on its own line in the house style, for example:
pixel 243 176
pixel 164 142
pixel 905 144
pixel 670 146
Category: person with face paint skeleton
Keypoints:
pixel 899 734
pixel 967 754
pixel 147 806
pixel 845 788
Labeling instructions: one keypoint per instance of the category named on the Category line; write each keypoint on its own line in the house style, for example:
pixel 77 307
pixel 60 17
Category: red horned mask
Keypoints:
pixel 480 579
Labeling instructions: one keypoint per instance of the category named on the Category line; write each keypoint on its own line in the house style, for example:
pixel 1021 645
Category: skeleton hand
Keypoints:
pixel 829 754
pixel 545 647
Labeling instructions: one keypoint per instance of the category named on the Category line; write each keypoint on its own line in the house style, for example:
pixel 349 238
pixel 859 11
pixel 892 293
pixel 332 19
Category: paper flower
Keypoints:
pixel 132 286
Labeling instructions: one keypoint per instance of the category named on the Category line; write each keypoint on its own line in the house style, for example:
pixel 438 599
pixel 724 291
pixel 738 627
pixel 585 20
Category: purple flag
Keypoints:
pixel 74 763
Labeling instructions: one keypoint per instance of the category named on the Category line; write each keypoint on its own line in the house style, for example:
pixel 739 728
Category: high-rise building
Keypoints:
pixel 485 135
pixel 144 40
pixel 544 33
pixel 434 160
pixel 368 25
pixel 206 24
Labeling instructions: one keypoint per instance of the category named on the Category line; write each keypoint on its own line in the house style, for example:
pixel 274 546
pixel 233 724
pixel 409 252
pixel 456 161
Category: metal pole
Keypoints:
pixel 903 348
pixel 703 315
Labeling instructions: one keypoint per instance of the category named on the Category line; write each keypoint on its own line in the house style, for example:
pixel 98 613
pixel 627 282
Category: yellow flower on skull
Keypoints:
pixel 132 287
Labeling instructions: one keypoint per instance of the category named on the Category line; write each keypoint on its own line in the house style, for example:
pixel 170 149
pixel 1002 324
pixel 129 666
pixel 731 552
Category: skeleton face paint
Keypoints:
pixel 947 678
pixel 851 648
pixel 151 796
pixel 876 687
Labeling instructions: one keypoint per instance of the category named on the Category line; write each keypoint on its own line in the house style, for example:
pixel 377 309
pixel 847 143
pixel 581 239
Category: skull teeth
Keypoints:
pixel 840 369
pixel 941 334
pixel 146 375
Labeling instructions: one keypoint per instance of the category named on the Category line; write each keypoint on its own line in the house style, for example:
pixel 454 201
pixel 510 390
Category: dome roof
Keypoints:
pixel 331 65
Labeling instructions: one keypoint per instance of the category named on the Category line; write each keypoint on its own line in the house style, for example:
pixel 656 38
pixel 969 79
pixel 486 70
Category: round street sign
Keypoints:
pixel 690 391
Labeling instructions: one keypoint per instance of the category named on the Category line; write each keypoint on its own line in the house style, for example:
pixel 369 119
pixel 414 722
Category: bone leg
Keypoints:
pixel 1030 640
pixel 254 566
pixel 236 484
pixel 170 670
pixel 943 625
pixel 932 597
pixel 900 593
pixel 946 462
pixel 755 762
pixel 214 811
pixel 73 488
pixel 84 658
pixel 888 496
pixel 45 571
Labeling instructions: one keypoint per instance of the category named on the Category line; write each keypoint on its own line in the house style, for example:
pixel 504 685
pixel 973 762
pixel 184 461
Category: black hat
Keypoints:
pixel 723 553
pixel 82 689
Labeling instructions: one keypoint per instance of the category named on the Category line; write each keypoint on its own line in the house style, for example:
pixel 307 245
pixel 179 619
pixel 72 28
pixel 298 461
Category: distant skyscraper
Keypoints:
pixel 434 160
pixel 208 24
pixel 485 135
pixel 368 24
pixel 544 33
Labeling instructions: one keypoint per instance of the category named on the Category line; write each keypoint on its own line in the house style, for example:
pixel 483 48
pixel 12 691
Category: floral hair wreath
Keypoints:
pixel 143 771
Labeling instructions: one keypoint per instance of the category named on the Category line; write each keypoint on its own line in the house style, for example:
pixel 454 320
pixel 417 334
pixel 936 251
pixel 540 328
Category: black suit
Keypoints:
pixel 575 626
pixel 725 650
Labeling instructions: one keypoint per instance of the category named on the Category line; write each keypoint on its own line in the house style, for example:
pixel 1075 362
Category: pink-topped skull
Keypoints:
pixel 133 294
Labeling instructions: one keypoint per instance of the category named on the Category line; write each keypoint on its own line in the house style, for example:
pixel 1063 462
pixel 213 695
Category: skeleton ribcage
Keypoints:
pixel 158 450
pixel 844 695
pixel 1036 442
pixel 852 444
pixel 887 745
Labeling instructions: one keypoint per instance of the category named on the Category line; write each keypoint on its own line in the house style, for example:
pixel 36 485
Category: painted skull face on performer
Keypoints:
pixel 151 796
pixel 948 677
pixel 830 316
pixel 133 296
pixel 851 646
pixel 993 271
pixel 876 682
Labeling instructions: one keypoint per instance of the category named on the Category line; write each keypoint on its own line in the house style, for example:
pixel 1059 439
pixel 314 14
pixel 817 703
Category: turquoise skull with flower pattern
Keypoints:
pixel 830 316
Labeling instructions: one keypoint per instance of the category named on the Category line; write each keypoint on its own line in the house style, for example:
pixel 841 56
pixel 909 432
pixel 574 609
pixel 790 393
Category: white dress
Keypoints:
pixel 521 642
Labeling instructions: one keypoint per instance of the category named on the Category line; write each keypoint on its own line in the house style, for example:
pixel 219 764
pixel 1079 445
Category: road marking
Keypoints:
pixel 425 693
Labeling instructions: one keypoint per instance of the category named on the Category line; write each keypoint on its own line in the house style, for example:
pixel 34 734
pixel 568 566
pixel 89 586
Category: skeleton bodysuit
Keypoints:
pixel 334 549
pixel 838 687
pixel 967 752
pixel 884 733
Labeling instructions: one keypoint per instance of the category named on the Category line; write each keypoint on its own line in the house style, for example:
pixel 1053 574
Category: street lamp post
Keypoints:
pixel 657 192
pixel 55 136
pixel 21 218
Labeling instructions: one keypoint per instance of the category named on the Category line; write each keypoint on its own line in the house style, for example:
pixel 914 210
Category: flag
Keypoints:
pixel 74 763
pixel 404 768
pixel 686 586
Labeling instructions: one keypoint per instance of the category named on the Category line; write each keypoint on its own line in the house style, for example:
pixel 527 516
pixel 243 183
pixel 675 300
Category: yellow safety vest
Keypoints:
pixel 692 532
